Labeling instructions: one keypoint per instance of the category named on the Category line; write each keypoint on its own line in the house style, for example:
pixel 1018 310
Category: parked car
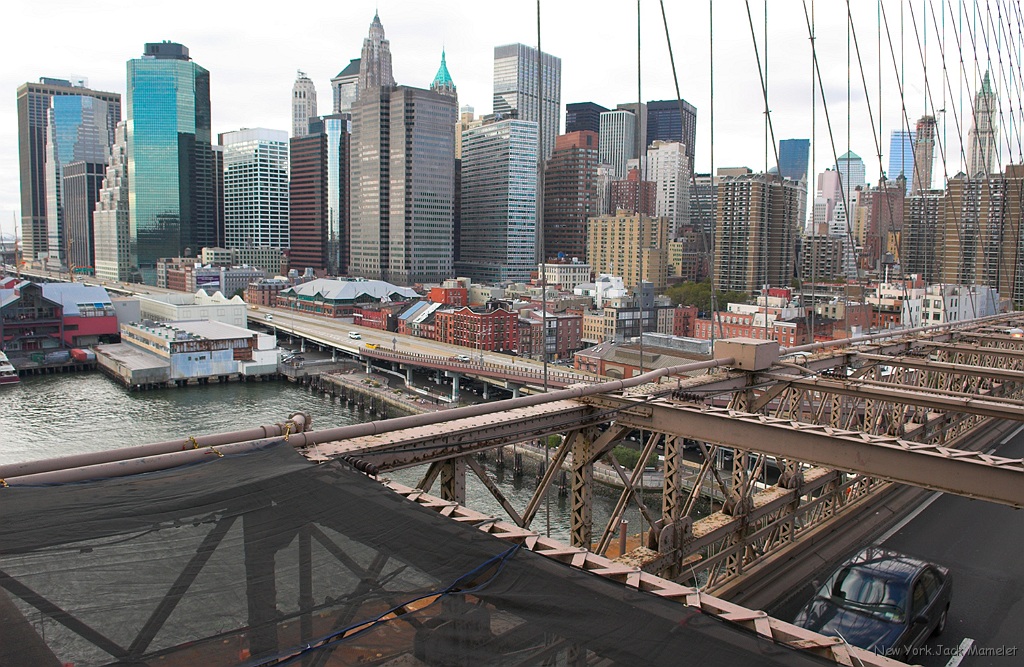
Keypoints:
pixel 883 601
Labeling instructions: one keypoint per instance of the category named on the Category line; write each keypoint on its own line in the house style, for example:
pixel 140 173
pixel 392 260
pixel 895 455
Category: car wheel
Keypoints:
pixel 940 628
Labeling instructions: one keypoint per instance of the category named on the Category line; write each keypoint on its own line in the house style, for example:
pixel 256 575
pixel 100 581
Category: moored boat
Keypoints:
pixel 8 374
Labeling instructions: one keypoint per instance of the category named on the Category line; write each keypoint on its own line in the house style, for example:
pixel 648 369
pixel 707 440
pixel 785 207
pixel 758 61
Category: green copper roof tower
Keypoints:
pixel 443 80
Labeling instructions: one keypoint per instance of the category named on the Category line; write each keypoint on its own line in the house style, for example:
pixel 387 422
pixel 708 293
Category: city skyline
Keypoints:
pixel 253 68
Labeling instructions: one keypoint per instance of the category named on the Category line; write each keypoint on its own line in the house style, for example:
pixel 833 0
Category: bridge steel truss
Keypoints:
pixel 839 426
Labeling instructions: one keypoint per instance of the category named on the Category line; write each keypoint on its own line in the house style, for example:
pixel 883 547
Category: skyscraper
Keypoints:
pixel 634 194
pixel 319 205
pixel 583 117
pixel 255 188
pixel 499 201
pixel 375 63
pixel 852 175
pixel 570 194
pixel 669 168
pixel 171 165
pixel 901 156
pixel 34 119
pixel 303 104
pixel 617 139
pixel 79 129
pixel 80 187
pixel 665 123
pixel 639 133
pixel 757 218
pixel 345 87
pixel 982 149
pixel 924 155
pixel 516 88
pixel 111 231
pixel 794 158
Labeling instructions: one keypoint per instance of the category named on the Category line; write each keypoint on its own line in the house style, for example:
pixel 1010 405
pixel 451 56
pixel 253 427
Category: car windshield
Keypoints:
pixel 867 591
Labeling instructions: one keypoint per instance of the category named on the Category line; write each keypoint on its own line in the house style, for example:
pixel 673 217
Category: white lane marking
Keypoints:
pixel 961 652
pixel 910 517
pixel 1012 435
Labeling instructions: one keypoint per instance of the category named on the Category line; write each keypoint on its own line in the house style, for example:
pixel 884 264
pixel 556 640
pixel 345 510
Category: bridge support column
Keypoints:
pixel 672 492
pixel 487 391
pixel 452 478
pixel 581 521
pixel 455 386
pixel 369 366
pixel 516 393
pixel 408 376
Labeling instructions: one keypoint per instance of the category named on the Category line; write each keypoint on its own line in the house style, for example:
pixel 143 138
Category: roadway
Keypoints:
pixel 987 610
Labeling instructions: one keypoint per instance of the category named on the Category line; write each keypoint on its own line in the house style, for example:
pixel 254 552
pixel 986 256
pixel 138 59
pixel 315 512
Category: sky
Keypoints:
pixel 253 51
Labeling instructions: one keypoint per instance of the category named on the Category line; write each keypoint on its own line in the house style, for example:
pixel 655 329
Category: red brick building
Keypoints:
pixel 450 296
pixel 634 195
pixel 496 330
pixel 685 321
pixel 565 335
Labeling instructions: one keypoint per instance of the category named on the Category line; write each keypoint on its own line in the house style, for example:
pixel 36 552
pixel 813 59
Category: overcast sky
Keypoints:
pixel 253 50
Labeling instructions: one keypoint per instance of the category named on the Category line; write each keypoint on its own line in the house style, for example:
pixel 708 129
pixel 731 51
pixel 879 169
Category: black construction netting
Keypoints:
pixel 263 558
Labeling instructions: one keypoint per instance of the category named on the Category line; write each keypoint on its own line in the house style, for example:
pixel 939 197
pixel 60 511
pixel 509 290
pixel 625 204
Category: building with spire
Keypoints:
pixel 303 104
pixel 924 155
pixel 375 64
pixel 442 82
pixel 982 149
pixel 402 176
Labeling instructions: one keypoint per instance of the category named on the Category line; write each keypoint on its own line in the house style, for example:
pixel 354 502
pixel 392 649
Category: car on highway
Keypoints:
pixel 883 601
pixel 354 335
pixel 460 357
pixel 372 346
pixel 269 318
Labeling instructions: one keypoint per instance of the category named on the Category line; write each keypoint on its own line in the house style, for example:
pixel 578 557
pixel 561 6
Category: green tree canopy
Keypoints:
pixel 699 294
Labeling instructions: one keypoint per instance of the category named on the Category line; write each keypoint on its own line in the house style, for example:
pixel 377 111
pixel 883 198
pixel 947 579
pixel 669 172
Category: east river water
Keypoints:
pixel 56 415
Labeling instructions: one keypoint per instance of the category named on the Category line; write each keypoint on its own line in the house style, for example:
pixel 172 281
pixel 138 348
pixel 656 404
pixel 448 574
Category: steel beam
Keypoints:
pixel 969 474
pixel 904 394
pixel 413 446
pixel 942 367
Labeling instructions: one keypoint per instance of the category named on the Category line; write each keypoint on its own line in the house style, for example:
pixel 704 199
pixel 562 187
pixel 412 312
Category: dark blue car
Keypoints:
pixel 882 601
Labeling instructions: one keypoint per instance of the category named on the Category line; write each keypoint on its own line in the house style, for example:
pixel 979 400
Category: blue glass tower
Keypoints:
pixel 794 157
pixel 901 156
pixel 171 169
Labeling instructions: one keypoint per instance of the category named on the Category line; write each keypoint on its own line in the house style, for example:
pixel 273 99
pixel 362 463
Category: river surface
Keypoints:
pixel 56 415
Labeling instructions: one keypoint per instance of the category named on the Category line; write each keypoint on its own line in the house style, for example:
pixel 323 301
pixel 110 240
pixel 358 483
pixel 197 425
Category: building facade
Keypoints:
pixel 635 195
pixel 617 139
pixel 901 156
pixel 794 158
pixel 37 119
pixel 255 188
pixel 583 117
pixel 345 87
pixel 570 193
pixel 111 233
pixel 517 89
pixel 665 122
pixel 669 167
pixel 629 245
pixel 758 217
pixel 491 330
pixel 171 163
pixel 81 183
pixel 499 202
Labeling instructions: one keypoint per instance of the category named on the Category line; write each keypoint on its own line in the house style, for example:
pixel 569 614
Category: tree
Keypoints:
pixel 699 294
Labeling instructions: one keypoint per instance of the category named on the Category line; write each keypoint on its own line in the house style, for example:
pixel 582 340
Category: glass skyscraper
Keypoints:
pixel 794 155
pixel 665 123
pixel 80 128
pixel 499 202
pixel 516 89
pixel 34 123
pixel 171 167
pixel 901 156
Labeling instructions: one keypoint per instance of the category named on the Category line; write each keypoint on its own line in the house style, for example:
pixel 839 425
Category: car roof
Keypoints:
pixel 893 565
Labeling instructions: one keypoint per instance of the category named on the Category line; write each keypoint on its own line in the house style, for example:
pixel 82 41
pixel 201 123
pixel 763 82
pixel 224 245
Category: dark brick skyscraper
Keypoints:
pixel 634 195
pixel 570 194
